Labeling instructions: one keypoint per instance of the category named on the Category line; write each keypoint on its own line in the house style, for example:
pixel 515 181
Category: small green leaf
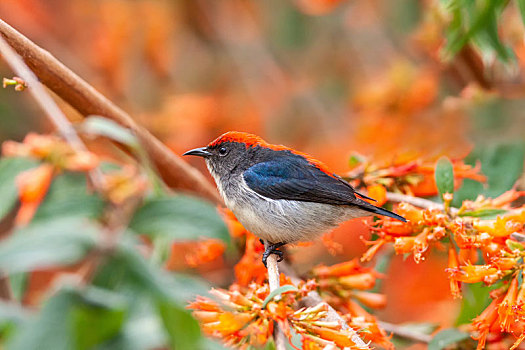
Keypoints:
pixel 179 218
pixel 444 176
pixel 484 213
pixel 278 291
pixel 447 337
pixel 9 169
pixel 100 126
pixel 513 245
pixel 47 244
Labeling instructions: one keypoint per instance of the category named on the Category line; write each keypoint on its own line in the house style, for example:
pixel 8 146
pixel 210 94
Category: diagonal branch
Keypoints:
pixel 88 101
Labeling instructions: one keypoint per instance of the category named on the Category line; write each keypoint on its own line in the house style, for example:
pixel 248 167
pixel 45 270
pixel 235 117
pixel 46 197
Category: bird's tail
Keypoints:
pixel 377 210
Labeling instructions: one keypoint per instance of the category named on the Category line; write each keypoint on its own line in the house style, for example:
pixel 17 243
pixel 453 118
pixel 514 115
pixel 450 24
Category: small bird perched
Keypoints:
pixel 279 194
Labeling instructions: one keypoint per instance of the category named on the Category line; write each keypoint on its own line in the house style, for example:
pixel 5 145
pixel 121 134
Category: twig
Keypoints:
pixel 416 201
pixel 313 299
pixel 88 101
pixel 273 281
pixel 403 332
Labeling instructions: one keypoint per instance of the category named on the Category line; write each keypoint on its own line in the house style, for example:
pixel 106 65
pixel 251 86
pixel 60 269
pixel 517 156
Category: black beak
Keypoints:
pixel 201 152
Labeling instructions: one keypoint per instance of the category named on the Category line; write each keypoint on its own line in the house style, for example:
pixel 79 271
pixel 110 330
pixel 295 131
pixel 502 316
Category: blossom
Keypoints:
pixel 32 187
pixel 236 316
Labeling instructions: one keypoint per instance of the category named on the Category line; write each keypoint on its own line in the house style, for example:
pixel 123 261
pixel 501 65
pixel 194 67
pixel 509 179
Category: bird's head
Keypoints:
pixel 231 153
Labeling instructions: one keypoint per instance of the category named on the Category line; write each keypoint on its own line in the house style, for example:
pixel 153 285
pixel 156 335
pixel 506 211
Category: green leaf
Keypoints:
pixel 72 319
pixel 47 244
pixel 447 337
pixel 484 213
pixel 179 218
pixel 444 176
pixel 69 197
pixel 102 308
pixel 9 169
pixel 183 330
pixel 475 300
pixel 18 282
pixel 100 126
pixel 278 291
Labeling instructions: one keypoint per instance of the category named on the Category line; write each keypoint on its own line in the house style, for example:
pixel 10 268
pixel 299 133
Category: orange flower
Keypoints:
pixel 377 192
pixel 473 273
pixel 32 187
pixel 194 254
pixel 500 227
pixel 250 267
pixel 372 300
pixel 403 245
pixel 337 270
pixel 505 309
pixel 409 212
pixel 483 323
pixel 453 264
pixel 365 280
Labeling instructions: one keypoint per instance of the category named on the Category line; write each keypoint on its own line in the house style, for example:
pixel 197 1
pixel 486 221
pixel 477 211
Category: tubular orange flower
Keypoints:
pixel 32 187
pixel 483 323
pixel 365 280
pixel 505 308
pixel 372 300
pixel 453 265
pixel 341 269
pixel 472 273
pixel 403 245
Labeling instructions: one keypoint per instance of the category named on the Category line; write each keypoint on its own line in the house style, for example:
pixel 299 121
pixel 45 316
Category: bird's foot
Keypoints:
pixel 272 249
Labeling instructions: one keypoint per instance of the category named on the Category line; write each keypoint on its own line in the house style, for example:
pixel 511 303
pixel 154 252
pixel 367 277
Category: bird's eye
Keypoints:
pixel 223 151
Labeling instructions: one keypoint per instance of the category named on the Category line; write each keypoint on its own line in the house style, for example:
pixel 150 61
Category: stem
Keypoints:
pixel 416 201
pixel 403 332
pixel 273 281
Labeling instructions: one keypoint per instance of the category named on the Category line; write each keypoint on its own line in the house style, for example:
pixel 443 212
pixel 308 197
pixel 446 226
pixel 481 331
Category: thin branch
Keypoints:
pixel 416 201
pixel 88 101
pixel 403 332
pixel 273 281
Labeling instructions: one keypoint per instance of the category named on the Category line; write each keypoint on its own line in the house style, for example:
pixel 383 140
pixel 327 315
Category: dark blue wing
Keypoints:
pixel 294 178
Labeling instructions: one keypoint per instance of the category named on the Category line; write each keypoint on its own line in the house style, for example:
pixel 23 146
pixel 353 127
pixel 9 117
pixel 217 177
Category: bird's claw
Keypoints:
pixel 273 249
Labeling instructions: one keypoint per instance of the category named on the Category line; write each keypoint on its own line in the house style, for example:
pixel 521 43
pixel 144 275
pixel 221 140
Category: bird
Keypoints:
pixel 279 194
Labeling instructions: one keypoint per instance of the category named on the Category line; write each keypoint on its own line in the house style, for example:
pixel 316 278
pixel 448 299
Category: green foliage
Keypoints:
pixel 179 218
pixel 9 169
pixel 46 244
pixel 475 22
pixel 447 337
pixel 475 300
pixel 502 164
pixel 278 291
pixel 444 175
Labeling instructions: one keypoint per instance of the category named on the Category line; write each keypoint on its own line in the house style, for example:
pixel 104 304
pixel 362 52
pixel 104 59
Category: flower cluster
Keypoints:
pixel 469 231
pixel 243 318
pixel 412 177
pixel 342 285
